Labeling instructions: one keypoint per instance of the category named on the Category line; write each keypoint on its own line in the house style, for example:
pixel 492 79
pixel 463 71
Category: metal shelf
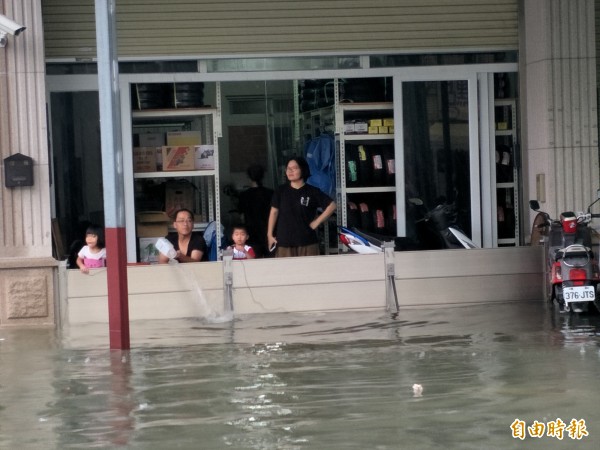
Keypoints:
pixel 176 174
pixel 511 134
pixel 378 106
pixel 370 190
pixel 205 120
pixel 367 137
pixel 182 113
pixel 343 110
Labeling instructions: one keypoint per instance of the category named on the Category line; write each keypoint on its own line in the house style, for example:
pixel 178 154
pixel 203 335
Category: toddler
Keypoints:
pixel 92 255
pixel 239 247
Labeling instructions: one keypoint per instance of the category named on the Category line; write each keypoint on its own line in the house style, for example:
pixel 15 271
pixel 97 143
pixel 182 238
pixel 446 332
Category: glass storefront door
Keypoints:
pixel 439 167
pixel 77 164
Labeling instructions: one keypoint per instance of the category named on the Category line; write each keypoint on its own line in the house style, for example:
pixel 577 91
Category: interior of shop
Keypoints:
pixel 266 122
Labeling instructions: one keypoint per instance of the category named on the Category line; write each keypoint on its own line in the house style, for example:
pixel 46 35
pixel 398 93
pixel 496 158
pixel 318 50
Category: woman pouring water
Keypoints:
pixel 189 247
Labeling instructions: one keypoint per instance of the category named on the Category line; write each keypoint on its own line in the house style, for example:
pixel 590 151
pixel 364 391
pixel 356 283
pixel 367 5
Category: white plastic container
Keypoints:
pixel 166 248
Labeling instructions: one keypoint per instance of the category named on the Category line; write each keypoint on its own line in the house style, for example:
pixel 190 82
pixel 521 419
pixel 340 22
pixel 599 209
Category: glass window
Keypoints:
pixel 441 59
pixel 271 64
pixel 436 146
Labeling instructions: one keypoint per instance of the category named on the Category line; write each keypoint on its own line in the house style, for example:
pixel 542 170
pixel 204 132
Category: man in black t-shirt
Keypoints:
pixel 190 247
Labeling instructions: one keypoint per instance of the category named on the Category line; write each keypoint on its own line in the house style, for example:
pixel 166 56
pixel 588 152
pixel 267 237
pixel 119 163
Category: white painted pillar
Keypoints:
pixel 26 264
pixel 558 71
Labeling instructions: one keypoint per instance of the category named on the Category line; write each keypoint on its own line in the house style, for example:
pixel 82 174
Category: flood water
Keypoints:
pixel 310 381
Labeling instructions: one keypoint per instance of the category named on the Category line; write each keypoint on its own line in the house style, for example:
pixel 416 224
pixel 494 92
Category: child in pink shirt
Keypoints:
pixel 92 255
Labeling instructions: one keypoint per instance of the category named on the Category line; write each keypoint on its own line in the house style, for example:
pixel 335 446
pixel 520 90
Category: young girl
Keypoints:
pixel 239 247
pixel 92 255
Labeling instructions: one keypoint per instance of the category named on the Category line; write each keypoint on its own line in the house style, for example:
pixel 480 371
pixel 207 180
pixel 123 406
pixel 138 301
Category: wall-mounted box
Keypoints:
pixel 18 171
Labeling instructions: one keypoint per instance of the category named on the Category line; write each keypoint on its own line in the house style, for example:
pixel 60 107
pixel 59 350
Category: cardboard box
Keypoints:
pixel 152 139
pixel 179 195
pixel 152 223
pixel 148 251
pixel 388 122
pixel 375 123
pixel 349 127
pixel 178 158
pixel 144 159
pixel 205 157
pixel 383 130
pixel 373 130
pixel 176 138
pixel 360 127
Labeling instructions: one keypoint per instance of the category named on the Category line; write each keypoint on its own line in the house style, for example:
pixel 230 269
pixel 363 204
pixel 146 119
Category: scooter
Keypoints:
pixel 572 275
pixel 436 230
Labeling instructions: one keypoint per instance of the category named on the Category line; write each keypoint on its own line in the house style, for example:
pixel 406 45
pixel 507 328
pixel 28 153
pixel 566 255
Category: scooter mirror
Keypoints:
pixel 534 204
pixel 595 201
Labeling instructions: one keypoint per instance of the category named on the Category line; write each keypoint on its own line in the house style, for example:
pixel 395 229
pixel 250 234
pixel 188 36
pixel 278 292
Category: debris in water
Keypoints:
pixel 417 390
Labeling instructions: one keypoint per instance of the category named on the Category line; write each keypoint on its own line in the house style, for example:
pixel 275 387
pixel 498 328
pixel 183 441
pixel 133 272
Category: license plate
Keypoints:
pixel 579 294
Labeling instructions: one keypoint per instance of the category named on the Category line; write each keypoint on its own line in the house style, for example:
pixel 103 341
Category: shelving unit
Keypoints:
pixel 362 188
pixel 507 176
pixel 205 182
pixel 317 121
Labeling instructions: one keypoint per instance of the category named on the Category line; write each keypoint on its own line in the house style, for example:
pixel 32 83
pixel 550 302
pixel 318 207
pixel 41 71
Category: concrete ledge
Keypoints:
pixel 324 283
pixel 17 263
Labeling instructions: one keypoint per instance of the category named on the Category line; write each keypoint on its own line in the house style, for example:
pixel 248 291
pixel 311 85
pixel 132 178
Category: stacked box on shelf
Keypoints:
pixel 150 226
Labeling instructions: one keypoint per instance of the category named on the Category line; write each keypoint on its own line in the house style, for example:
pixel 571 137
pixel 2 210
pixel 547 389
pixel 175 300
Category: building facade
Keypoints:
pixel 493 100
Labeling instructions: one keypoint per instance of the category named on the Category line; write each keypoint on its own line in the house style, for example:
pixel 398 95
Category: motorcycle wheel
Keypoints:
pixel 580 307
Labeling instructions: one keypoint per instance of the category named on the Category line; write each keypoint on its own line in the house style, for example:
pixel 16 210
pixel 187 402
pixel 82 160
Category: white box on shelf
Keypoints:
pixel 148 251
pixel 152 139
pixel 204 157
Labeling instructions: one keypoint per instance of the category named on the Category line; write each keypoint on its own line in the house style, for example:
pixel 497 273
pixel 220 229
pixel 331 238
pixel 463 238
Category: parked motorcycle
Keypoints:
pixel 571 275
pixel 437 229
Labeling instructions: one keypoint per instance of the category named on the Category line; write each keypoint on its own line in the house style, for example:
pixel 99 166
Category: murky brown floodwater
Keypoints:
pixel 309 381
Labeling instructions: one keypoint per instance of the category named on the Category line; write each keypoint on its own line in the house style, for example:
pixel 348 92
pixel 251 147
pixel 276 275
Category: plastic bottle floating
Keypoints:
pixel 417 390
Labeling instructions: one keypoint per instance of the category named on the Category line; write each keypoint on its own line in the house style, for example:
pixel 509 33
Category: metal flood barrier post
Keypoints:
pixel 391 295
pixel 228 281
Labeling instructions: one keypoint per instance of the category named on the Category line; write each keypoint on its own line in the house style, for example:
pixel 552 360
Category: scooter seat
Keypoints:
pixel 400 243
pixel 574 251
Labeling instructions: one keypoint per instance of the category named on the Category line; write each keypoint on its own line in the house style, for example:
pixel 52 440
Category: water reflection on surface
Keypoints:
pixel 297 381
